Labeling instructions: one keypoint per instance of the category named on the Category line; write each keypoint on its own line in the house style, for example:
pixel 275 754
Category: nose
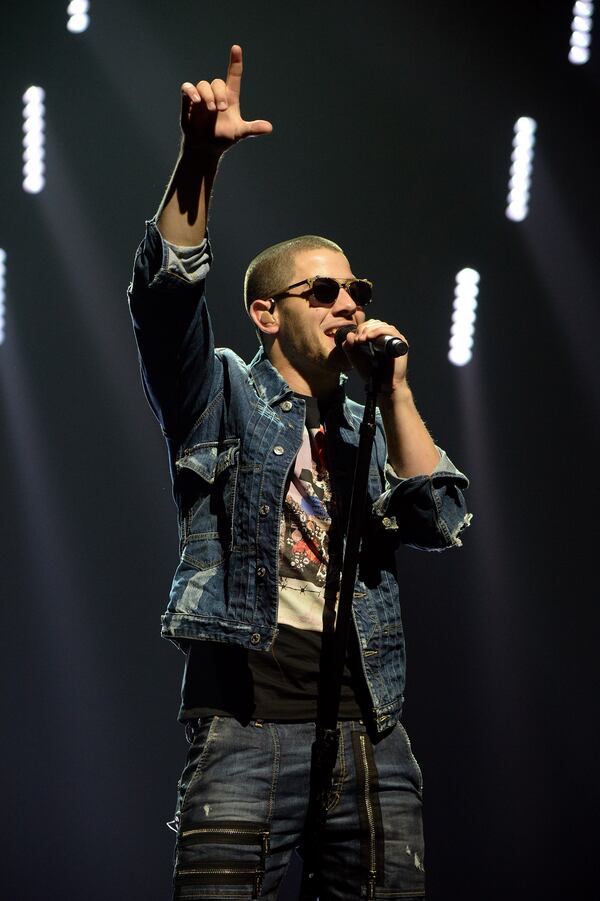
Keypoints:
pixel 344 304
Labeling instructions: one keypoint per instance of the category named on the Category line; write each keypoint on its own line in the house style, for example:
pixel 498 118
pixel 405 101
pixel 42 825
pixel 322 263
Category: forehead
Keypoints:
pixel 321 261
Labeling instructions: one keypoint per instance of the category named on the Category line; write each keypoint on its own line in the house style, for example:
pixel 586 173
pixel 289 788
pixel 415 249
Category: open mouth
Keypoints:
pixel 332 332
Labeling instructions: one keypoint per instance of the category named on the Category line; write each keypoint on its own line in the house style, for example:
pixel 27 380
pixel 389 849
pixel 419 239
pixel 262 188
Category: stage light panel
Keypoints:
pixel 464 315
pixel 519 183
pixel 2 292
pixel 78 16
pixel 581 33
pixel 34 139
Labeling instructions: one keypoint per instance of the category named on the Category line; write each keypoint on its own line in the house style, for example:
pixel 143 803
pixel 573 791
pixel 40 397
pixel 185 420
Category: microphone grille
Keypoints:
pixel 342 333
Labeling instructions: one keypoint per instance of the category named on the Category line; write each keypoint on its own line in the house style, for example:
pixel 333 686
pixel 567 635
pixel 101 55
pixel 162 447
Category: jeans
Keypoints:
pixel 241 806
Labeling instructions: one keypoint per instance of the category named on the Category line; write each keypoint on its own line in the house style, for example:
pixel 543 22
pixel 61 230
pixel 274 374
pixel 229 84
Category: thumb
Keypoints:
pixel 185 110
pixel 257 127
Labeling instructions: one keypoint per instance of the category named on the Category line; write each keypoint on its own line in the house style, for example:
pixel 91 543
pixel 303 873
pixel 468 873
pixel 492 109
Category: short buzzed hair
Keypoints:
pixel 273 269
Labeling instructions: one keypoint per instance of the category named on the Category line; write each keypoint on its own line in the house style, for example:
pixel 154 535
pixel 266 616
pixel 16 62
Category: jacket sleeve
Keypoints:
pixel 426 512
pixel 173 332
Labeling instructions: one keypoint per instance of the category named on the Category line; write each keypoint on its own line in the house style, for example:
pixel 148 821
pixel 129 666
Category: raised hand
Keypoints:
pixel 210 111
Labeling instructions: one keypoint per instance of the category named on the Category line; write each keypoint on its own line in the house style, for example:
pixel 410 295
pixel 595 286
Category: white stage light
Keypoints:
pixel 34 128
pixel 78 16
pixel 462 330
pixel 581 33
pixel 521 167
pixel 2 291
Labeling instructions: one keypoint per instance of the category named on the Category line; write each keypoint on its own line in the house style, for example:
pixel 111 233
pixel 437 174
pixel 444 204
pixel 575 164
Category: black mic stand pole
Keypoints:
pixel 325 746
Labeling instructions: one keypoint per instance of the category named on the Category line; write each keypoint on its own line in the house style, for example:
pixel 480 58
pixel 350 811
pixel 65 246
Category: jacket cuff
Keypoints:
pixel 426 511
pixel 170 264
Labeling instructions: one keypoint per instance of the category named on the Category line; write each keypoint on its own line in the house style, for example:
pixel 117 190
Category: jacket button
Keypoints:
pixel 286 406
pixel 261 572
pixel 254 638
pixel 264 509
pixel 278 450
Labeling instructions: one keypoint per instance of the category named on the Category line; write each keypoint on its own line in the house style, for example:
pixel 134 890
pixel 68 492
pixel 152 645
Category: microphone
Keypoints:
pixel 386 345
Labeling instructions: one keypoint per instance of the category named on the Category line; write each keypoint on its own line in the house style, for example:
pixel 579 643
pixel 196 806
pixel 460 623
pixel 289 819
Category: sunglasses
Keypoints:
pixel 325 290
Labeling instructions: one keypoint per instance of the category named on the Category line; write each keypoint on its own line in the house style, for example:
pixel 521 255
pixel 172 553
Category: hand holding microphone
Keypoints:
pixel 383 345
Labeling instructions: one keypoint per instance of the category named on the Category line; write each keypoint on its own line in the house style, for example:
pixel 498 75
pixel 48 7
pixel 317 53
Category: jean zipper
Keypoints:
pixel 371 821
pixel 217 871
pixel 228 873
pixel 232 832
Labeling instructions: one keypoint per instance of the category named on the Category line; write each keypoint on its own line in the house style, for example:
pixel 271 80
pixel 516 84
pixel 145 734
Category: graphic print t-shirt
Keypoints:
pixel 285 681
pixel 304 532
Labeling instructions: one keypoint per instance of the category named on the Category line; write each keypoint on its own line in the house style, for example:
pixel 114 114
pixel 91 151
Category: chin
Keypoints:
pixel 338 361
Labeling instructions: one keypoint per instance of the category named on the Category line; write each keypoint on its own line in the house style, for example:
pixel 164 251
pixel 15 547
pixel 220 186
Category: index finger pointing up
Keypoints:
pixel 234 70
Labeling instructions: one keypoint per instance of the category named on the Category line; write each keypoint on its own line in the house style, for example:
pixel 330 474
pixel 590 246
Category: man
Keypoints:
pixel 262 458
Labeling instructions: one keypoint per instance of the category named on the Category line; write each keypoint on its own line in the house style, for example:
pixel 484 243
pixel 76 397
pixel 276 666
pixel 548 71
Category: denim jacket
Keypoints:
pixel 233 431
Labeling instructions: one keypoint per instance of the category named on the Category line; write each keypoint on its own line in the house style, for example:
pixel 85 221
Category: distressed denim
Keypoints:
pixel 233 431
pixel 242 801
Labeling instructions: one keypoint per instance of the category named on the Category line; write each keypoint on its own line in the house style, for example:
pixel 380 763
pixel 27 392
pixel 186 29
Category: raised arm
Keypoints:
pixel 211 123
pixel 172 327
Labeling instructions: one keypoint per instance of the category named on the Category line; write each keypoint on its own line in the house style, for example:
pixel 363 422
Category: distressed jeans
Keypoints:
pixel 241 806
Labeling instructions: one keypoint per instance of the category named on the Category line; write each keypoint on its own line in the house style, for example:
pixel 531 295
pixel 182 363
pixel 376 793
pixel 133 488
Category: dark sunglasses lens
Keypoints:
pixel 361 293
pixel 325 290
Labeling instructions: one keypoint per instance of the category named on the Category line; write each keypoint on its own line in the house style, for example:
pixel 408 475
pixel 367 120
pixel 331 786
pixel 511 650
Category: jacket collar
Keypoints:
pixel 272 387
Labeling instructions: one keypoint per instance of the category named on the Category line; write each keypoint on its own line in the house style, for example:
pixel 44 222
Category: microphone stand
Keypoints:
pixel 325 747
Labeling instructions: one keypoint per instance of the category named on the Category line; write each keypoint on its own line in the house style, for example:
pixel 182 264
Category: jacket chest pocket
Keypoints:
pixel 206 487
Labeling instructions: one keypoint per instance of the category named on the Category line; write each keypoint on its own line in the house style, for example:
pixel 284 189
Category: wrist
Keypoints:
pixel 200 151
pixel 391 395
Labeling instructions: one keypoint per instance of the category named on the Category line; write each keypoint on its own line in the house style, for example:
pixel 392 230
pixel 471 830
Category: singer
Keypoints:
pixel 262 457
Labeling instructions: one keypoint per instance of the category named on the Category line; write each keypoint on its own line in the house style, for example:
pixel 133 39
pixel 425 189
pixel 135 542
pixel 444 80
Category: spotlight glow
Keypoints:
pixel 2 291
pixel 78 18
pixel 581 33
pixel 34 127
pixel 521 169
pixel 464 315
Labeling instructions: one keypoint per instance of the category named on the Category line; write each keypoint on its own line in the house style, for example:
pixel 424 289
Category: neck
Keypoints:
pixel 320 384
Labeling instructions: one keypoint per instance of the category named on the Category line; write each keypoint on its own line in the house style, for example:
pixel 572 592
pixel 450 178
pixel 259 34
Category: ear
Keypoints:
pixel 262 317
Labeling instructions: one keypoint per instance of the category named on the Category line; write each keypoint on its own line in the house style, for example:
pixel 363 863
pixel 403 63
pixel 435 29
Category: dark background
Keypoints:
pixel 393 129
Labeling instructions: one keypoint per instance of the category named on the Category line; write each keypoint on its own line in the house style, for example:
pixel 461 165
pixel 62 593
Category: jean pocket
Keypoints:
pixel 201 732
pixel 412 758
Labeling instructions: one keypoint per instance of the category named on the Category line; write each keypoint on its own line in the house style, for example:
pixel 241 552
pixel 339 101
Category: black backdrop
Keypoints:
pixel 393 128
